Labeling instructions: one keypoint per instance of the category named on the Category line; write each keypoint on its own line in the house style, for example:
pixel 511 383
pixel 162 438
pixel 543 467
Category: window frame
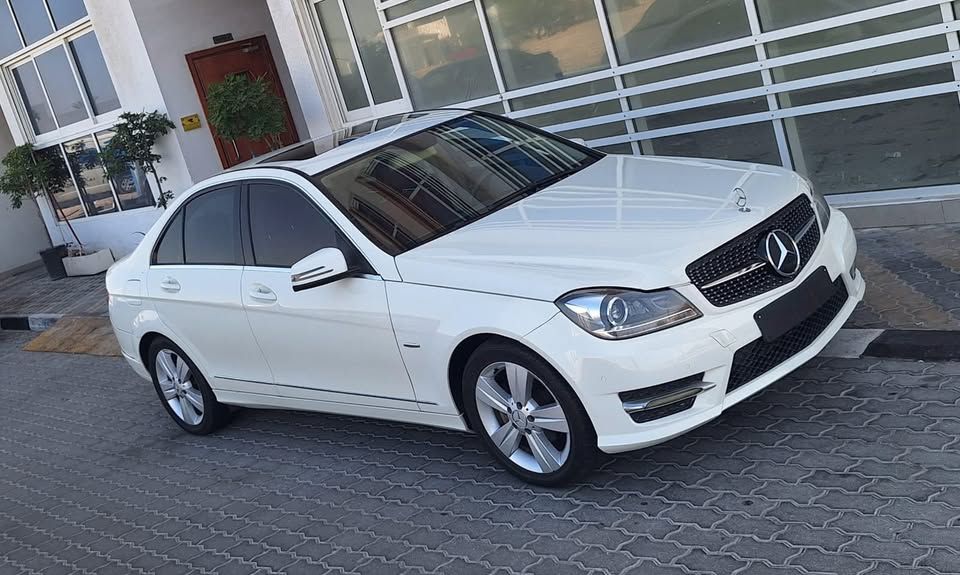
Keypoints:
pixel 237 188
pixel 344 243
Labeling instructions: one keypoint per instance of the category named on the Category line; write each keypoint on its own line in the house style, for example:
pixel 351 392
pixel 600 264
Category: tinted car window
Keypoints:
pixel 211 233
pixel 435 181
pixel 286 226
pixel 170 249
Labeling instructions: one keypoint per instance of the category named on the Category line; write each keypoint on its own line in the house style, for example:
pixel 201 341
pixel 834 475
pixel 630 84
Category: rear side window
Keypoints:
pixel 286 227
pixel 170 249
pixel 211 228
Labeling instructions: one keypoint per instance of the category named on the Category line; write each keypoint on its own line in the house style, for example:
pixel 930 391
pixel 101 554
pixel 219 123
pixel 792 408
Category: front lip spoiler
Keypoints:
pixel 666 399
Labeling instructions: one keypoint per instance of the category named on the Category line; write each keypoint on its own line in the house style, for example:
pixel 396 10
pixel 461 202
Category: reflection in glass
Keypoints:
pixel 93 71
pixel 577 113
pixel 872 85
pixel 410 7
pixel 444 58
pixel 344 62
pixel 776 14
pixel 899 144
pixel 66 12
pixel 379 70
pixel 539 41
pixel 644 29
pixel 9 39
pixel 748 143
pixel 31 92
pixel 61 86
pixel 33 19
pixel 65 199
pixel 132 188
pixel 445 177
pixel 92 184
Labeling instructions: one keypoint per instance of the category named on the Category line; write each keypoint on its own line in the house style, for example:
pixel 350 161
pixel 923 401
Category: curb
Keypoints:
pixel 34 322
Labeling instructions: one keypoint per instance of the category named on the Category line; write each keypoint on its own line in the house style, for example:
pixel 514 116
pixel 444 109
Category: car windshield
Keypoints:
pixel 420 187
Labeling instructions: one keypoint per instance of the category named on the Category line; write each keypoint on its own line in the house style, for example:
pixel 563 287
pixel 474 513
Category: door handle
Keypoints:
pixel 170 284
pixel 263 293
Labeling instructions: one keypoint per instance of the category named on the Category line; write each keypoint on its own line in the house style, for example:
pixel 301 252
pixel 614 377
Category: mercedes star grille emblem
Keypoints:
pixel 782 253
pixel 741 199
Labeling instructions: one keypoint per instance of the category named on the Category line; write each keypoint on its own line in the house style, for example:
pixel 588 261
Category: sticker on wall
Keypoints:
pixel 190 123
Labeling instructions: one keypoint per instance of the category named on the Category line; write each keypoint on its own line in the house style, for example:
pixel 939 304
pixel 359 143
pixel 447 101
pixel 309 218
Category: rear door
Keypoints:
pixel 335 342
pixel 194 285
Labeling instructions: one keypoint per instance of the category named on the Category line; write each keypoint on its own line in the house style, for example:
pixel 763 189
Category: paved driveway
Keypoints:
pixel 848 467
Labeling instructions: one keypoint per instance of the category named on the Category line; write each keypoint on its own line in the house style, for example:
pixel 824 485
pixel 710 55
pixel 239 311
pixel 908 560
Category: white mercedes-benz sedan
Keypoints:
pixel 465 271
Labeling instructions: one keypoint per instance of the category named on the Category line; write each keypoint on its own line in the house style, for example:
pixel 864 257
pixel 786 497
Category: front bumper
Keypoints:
pixel 599 370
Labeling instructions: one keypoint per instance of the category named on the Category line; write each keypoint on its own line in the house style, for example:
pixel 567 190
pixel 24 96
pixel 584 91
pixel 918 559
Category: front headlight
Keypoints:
pixel 821 205
pixel 621 314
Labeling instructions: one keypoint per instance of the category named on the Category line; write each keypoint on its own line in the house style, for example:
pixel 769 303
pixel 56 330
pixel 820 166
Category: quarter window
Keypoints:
pixel 170 249
pixel 286 227
pixel 211 231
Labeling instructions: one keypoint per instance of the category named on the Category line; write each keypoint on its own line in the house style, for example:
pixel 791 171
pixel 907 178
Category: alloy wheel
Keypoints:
pixel 523 418
pixel 181 395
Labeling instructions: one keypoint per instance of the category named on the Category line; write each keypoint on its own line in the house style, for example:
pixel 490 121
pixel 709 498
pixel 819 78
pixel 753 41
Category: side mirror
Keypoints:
pixel 319 269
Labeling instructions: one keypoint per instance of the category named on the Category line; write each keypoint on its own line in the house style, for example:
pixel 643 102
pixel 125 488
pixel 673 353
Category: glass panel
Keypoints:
pixel 66 11
pixel 66 203
pixel 748 143
pixel 444 58
pixel 211 231
pixel 410 7
pixel 285 227
pixel 170 249
pixel 894 145
pixel 496 108
pixel 783 13
pixel 448 176
pixel 381 74
pixel 92 183
pixel 33 19
pixel 9 39
pixel 874 85
pixel 34 101
pixel 563 94
pixel 691 67
pixel 61 87
pixel 132 187
pixel 854 32
pixel 344 62
pixel 645 29
pixel 539 41
pixel 623 149
pixel 93 71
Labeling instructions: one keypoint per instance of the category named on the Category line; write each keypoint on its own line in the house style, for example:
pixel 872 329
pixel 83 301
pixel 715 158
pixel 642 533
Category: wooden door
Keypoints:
pixel 252 58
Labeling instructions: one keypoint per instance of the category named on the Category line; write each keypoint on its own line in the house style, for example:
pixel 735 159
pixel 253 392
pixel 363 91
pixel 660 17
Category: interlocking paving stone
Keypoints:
pixel 96 479
pixel 33 292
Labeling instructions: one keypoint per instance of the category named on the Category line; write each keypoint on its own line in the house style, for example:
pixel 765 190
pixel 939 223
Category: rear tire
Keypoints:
pixel 183 390
pixel 527 416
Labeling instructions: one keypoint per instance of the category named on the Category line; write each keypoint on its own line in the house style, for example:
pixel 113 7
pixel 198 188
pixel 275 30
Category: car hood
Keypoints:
pixel 625 221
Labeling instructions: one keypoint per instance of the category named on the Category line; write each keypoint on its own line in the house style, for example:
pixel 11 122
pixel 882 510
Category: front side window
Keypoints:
pixel 425 185
pixel 211 228
pixel 285 226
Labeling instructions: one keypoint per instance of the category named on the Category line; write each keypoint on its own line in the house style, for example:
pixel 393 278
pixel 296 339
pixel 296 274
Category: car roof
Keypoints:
pixel 320 154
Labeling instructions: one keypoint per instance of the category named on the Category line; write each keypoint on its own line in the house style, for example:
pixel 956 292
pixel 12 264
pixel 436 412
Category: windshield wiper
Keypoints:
pixel 550 180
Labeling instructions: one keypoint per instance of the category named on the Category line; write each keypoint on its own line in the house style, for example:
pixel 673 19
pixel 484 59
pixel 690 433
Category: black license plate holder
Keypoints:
pixel 800 303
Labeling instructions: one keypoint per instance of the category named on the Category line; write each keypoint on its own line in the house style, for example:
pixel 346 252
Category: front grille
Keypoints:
pixel 759 357
pixel 745 251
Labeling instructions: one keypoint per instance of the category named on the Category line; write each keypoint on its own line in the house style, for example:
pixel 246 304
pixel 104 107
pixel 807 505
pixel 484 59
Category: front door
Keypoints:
pixel 253 59
pixel 332 343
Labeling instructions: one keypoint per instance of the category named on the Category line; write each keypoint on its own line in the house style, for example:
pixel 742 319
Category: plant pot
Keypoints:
pixel 53 261
pixel 88 265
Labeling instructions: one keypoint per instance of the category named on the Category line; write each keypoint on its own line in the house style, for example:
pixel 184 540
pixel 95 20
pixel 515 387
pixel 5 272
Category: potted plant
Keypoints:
pixel 242 108
pixel 30 175
pixel 135 137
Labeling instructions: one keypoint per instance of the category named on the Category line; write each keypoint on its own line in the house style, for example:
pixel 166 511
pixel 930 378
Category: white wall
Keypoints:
pixel 22 234
pixel 171 29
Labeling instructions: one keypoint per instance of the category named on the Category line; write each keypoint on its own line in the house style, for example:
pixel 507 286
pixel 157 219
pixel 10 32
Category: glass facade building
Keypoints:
pixel 858 95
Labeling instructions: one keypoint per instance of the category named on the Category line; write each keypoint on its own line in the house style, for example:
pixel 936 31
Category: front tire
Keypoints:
pixel 184 392
pixel 527 416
